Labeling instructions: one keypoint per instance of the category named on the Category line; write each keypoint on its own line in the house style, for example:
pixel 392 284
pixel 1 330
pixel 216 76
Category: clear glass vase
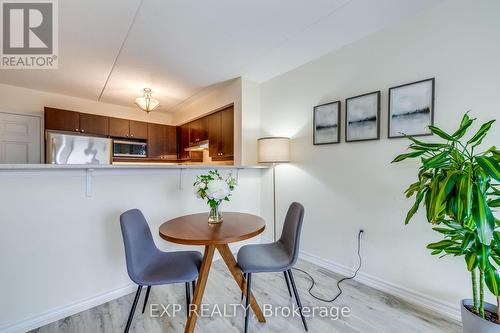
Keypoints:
pixel 215 215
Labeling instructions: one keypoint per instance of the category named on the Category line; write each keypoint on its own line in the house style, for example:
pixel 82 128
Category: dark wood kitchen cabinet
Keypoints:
pixel 124 128
pixel 227 132
pixel 198 131
pixel 119 128
pixel 221 134
pixel 138 129
pixel 214 134
pixel 72 121
pixel 61 120
pixel 162 141
pixel 183 141
pixel 156 140
pixel 93 124
pixel 171 146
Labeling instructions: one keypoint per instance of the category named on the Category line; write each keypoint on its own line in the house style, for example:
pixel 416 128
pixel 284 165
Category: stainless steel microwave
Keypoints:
pixel 125 148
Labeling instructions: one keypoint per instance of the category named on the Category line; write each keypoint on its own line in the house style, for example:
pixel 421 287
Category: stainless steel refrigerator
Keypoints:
pixel 65 148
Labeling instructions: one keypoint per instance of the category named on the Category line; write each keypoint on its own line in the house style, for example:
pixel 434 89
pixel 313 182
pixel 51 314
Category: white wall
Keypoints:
pixel 19 100
pixel 250 120
pixel 60 248
pixel 349 186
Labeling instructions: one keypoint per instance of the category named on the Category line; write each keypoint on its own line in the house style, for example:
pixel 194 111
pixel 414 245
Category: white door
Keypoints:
pixel 19 139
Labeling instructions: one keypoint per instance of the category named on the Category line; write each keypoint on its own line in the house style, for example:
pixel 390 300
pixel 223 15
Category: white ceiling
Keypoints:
pixel 178 47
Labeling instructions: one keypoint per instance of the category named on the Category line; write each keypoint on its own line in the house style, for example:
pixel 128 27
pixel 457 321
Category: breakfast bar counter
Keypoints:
pixel 65 219
pixel 125 165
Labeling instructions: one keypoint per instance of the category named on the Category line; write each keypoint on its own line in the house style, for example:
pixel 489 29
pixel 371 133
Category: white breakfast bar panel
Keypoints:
pixel 60 241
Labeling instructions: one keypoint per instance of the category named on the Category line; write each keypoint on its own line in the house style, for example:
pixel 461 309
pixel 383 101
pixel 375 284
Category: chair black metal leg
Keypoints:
pixel 247 305
pixel 193 284
pixel 146 299
pixel 188 297
pixel 132 311
pixel 297 298
pixel 287 283
pixel 245 277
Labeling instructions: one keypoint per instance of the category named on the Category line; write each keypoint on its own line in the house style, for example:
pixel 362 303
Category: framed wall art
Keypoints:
pixel 326 123
pixel 411 109
pixel 362 120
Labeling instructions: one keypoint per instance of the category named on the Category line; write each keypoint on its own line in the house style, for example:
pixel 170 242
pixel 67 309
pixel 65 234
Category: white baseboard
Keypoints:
pixel 67 310
pixel 446 309
pixel 71 309
pixel 369 280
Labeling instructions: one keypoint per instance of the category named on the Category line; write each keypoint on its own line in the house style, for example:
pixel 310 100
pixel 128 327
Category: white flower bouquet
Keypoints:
pixel 213 188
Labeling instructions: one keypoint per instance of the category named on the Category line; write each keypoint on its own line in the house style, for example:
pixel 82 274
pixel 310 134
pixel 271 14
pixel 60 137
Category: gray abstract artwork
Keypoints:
pixel 362 113
pixel 411 108
pixel 326 123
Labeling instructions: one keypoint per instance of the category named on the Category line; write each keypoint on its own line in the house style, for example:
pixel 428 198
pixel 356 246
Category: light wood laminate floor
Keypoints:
pixel 370 309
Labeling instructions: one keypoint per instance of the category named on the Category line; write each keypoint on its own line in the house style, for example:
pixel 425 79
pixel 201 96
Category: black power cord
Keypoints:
pixel 339 281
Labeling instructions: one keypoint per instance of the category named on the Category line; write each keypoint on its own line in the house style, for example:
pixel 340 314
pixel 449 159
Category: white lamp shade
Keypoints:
pixel 273 150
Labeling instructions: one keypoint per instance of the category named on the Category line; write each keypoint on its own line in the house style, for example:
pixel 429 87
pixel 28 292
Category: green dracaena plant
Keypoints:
pixel 460 191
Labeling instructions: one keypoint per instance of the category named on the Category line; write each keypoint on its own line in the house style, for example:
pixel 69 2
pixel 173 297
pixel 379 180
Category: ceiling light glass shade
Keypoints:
pixel 273 150
pixel 146 102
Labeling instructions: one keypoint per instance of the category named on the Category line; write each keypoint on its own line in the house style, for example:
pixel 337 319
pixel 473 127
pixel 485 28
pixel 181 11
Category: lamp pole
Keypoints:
pixel 273 150
pixel 274 201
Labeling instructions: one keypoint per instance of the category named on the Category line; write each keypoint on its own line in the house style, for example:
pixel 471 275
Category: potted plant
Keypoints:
pixel 213 188
pixel 459 189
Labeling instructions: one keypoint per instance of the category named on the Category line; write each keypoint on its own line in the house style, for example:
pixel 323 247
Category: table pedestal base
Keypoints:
pixel 230 261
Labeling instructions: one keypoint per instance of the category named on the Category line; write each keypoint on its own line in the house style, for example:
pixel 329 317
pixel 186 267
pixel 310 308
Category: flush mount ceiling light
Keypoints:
pixel 146 102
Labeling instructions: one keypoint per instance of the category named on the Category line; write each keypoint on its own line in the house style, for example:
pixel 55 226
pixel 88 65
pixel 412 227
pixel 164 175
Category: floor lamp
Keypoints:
pixel 273 150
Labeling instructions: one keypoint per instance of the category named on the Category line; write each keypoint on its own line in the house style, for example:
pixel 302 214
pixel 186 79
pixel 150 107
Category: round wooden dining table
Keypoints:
pixel 195 230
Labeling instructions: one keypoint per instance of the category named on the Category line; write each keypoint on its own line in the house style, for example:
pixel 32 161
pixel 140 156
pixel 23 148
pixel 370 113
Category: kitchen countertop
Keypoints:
pixel 125 165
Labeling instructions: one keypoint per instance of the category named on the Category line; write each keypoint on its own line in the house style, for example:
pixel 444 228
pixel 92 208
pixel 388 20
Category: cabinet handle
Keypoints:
pixel 131 135
pixel 76 129
pixel 82 130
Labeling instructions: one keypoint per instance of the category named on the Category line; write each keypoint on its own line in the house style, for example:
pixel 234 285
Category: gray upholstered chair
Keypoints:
pixel 148 266
pixel 279 256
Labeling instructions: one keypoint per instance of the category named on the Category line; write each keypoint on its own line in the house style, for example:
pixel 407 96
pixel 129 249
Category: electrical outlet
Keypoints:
pixel 363 234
